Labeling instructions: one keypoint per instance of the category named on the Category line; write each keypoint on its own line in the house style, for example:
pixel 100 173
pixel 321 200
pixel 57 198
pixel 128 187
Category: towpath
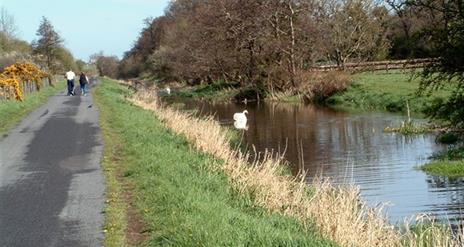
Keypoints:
pixel 51 182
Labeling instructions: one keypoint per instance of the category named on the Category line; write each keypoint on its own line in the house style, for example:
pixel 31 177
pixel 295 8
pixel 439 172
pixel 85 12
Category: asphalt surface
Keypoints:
pixel 51 182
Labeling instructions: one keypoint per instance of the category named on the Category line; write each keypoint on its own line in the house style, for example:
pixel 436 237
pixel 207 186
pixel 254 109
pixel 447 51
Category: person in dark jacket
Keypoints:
pixel 83 81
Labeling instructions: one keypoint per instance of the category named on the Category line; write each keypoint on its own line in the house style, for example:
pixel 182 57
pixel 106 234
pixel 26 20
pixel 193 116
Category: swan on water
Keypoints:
pixel 241 116
pixel 168 90
pixel 240 125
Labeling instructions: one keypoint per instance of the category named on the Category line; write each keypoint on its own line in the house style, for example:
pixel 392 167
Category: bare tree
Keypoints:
pixel 107 65
pixel 7 23
pixel 8 30
pixel 353 31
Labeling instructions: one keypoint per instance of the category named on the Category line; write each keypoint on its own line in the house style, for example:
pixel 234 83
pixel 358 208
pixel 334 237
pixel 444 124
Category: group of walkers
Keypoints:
pixel 83 81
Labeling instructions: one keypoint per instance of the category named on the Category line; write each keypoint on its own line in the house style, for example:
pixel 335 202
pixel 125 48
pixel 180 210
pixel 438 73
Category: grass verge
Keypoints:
pixel 384 91
pixel 12 111
pixel 113 165
pixel 182 196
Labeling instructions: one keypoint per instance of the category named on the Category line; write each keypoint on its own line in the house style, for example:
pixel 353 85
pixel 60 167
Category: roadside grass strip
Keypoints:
pixel 192 188
pixel 336 212
pixel 13 111
pixel 182 194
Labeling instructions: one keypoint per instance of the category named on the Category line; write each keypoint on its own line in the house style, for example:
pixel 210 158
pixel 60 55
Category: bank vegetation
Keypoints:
pixel 337 212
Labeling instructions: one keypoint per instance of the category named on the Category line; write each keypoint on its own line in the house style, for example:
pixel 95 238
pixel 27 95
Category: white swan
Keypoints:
pixel 168 90
pixel 240 125
pixel 241 116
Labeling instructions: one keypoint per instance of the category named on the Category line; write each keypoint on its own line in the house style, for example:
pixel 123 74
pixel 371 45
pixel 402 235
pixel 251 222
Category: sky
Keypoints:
pixel 87 26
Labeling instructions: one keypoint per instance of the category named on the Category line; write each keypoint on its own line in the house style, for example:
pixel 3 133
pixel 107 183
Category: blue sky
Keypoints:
pixel 87 26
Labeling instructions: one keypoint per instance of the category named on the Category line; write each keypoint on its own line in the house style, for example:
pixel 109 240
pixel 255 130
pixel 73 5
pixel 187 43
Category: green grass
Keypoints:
pixel 116 205
pixel 219 91
pixel 449 163
pixel 409 128
pixel 12 111
pixel 183 203
pixel 447 168
pixel 384 91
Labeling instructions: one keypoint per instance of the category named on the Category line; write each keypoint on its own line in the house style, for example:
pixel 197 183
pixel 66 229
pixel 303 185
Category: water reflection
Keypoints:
pixel 351 148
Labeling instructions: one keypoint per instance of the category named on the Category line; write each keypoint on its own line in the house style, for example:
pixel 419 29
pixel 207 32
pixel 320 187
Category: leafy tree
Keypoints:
pixel 447 39
pixel 64 60
pixel 49 44
pixel 81 65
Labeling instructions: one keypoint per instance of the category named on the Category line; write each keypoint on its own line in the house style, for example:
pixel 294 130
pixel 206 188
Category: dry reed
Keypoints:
pixel 337 212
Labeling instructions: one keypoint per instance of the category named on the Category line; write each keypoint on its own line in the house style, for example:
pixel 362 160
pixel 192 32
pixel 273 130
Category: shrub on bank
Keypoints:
pixel 318 86
pixel 447 138
pixel 408 128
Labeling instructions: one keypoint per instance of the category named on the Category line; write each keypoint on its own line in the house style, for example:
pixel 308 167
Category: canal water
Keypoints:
pixel 350 149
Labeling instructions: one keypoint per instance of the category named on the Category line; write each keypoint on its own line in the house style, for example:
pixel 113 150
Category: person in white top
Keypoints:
pixel 70 78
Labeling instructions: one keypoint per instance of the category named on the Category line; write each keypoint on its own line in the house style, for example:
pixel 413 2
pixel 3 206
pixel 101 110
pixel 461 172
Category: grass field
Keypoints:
pixel 12 111
pixel 384 91
pixel 182 202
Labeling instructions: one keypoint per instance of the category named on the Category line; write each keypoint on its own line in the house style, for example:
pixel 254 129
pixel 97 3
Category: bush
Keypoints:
pixel 447 138
pixel 318 86
pixel 408 128
pixel 250 93
pixel 454 153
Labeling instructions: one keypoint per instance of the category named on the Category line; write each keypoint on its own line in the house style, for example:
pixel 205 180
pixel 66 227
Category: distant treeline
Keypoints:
pixel 271 42
pixel 48 51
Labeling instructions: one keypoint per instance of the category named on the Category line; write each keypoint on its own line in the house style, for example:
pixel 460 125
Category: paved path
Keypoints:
pixel 51 183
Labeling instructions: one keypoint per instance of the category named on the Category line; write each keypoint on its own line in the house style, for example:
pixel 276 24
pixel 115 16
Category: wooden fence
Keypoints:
pixel 7 93
pixel 379 65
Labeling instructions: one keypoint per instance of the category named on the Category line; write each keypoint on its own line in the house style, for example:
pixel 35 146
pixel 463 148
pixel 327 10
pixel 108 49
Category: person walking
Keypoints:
pixel 70 79
pixel 83 81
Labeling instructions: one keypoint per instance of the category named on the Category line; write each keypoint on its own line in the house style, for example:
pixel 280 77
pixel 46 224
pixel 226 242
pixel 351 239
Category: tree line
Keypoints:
pixel 48 51
pixel 272 44
pixel 262 42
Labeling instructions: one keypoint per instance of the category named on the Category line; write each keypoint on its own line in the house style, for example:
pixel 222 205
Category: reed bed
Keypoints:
pixel 337 212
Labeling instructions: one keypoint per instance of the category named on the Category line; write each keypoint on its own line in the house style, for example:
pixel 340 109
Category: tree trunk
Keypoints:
pixel 292 46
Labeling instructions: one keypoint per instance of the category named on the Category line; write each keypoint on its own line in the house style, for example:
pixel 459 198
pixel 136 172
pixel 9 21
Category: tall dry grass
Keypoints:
pixel 319 86
pixel 336 211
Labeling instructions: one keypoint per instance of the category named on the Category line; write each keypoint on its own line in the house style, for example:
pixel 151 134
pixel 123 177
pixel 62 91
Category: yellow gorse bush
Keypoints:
pixel 13 75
